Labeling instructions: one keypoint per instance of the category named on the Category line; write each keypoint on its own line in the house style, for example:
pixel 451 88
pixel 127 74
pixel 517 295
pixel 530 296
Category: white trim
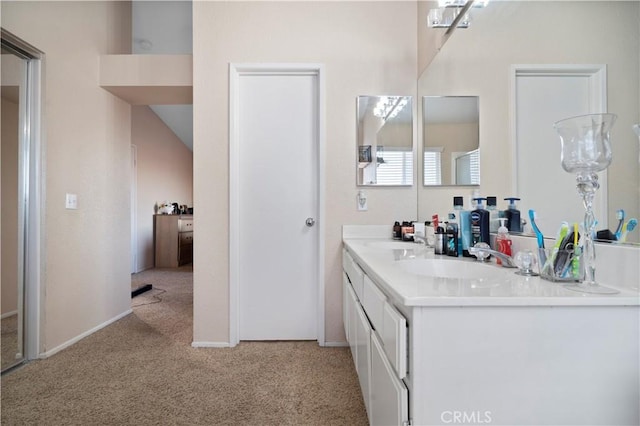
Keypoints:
pixel 8 314
pixel 235 71
pixel 35 243
pixel 134 209
pixel 210 344
pixel 85 334
pixel 336 344
pixel 598 103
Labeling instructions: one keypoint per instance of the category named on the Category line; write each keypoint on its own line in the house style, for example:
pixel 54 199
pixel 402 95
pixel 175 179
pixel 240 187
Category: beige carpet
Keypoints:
pixel 142 370
pixel 8 341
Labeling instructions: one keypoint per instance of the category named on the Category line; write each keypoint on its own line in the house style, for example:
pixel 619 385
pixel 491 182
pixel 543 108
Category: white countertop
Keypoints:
pixel 384 265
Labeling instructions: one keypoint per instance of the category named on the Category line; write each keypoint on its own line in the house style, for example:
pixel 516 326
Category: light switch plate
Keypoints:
pixel 71 201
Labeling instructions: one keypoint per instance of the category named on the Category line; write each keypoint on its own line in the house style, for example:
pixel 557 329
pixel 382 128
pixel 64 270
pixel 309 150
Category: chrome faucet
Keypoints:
pixel 481 253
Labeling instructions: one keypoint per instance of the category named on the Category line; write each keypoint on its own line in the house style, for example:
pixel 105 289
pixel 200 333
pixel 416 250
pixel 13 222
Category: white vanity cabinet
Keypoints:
pixel 506 351
pixel 377 336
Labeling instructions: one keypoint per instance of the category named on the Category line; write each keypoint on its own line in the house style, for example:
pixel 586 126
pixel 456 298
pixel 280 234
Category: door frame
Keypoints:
pixel 597 74
pixel 31 194
pixel 236 71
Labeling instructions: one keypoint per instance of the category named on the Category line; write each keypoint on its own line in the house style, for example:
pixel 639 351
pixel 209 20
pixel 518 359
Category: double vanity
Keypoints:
pixel 442 340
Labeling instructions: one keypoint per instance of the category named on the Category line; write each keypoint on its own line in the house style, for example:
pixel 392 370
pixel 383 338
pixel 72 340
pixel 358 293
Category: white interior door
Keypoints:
pixel 542 96
pixel 276 265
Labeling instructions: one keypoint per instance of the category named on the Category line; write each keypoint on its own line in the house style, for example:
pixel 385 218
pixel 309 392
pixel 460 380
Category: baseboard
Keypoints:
pixel 70 342
pixel 8 314
pixel 210 345
pixel 336 344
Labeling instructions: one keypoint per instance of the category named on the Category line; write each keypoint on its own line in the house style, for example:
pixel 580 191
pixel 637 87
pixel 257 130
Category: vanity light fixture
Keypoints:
pixel 389 106
pixel 453 13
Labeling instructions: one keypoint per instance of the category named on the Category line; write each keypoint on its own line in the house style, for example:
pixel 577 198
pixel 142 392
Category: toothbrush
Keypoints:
pixel 626 228
pixel 575 261
pixel 620 217
pixel 554 260
pixel 542 255
pixel 539 236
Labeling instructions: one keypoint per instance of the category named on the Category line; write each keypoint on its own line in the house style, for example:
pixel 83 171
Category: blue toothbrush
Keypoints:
pixel 626 228
pixel 539 236
pixel 620 217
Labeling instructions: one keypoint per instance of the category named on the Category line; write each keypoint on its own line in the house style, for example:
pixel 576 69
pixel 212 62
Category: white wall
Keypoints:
pixel 477 62
pixel 367 48
pixel 86 145
pixel 165 173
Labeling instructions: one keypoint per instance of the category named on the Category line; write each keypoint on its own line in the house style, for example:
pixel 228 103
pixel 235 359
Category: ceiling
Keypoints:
pixel 165 28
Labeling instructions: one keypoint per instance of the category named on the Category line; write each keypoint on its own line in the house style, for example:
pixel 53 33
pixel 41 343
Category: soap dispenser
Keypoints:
pixel 503 241
pixel 479 223
pixel 492 207
pixel 514 223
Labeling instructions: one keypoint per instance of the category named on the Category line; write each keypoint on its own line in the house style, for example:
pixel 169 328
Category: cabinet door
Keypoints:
pixel 363 337
pixel 352 321
pixel 394 339
pixel 389 395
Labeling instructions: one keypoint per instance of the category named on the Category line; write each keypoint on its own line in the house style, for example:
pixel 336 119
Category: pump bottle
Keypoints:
pixel 503 241
pixel 494 214
pixel 479 223
pixel 514 223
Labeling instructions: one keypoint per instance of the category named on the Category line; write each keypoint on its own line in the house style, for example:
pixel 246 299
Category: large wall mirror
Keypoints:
pixel 384 154
pixel 480 60
pixel 450 137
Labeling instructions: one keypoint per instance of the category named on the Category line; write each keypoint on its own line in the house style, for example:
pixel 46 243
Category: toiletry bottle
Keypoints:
pixel 452 245
pixel 503 241
pixel 407 231
pixel 464 225
pixel 397 231
pixel 455 218
pixel 494 214
pixel 439 246
pixel 479 224
pixel 514 223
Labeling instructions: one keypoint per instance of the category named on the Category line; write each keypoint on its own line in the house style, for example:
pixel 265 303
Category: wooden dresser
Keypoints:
pixel 173 240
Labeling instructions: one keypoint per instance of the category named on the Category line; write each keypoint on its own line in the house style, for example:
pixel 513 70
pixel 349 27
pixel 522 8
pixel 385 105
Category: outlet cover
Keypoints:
pixel 71 201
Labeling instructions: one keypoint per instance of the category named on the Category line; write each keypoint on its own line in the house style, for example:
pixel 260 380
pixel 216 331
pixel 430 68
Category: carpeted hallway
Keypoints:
pixel 142 370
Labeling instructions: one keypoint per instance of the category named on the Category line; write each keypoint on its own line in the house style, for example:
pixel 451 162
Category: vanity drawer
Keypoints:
pixel 373 301
pixel 186 238
pixel 394 339
pixel 354 273
pixel 185 225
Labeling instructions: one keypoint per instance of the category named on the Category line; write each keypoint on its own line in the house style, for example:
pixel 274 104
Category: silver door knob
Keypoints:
pixel 310 222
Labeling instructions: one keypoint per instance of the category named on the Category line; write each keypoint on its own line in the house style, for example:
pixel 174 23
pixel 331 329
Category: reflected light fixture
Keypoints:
pixel 389 106
pixel 453 13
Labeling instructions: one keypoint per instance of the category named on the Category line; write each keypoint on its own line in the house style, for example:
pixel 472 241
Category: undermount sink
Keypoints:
pixel 456 269
pixel 393 245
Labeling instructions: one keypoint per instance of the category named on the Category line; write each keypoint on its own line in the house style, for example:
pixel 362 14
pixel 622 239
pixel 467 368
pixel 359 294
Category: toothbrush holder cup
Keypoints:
pixel 561 265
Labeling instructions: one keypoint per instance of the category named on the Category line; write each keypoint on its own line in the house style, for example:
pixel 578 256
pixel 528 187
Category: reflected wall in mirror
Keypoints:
pixel 480 60
pixel 451 154
pixel 385 141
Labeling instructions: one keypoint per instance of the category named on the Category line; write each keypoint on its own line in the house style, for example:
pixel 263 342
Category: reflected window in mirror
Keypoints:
pixel 385 141
pixel 451 140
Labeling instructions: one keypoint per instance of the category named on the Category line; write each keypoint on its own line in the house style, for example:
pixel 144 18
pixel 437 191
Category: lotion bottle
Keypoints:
pixel 503 241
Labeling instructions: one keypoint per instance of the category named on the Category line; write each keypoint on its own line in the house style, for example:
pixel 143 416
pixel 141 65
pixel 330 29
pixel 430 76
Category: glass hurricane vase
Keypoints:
pixel 586 150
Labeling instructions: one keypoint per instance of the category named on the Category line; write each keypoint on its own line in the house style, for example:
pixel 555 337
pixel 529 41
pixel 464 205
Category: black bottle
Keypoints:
pixel 397 233
pixel 514 223
pixel 479 224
